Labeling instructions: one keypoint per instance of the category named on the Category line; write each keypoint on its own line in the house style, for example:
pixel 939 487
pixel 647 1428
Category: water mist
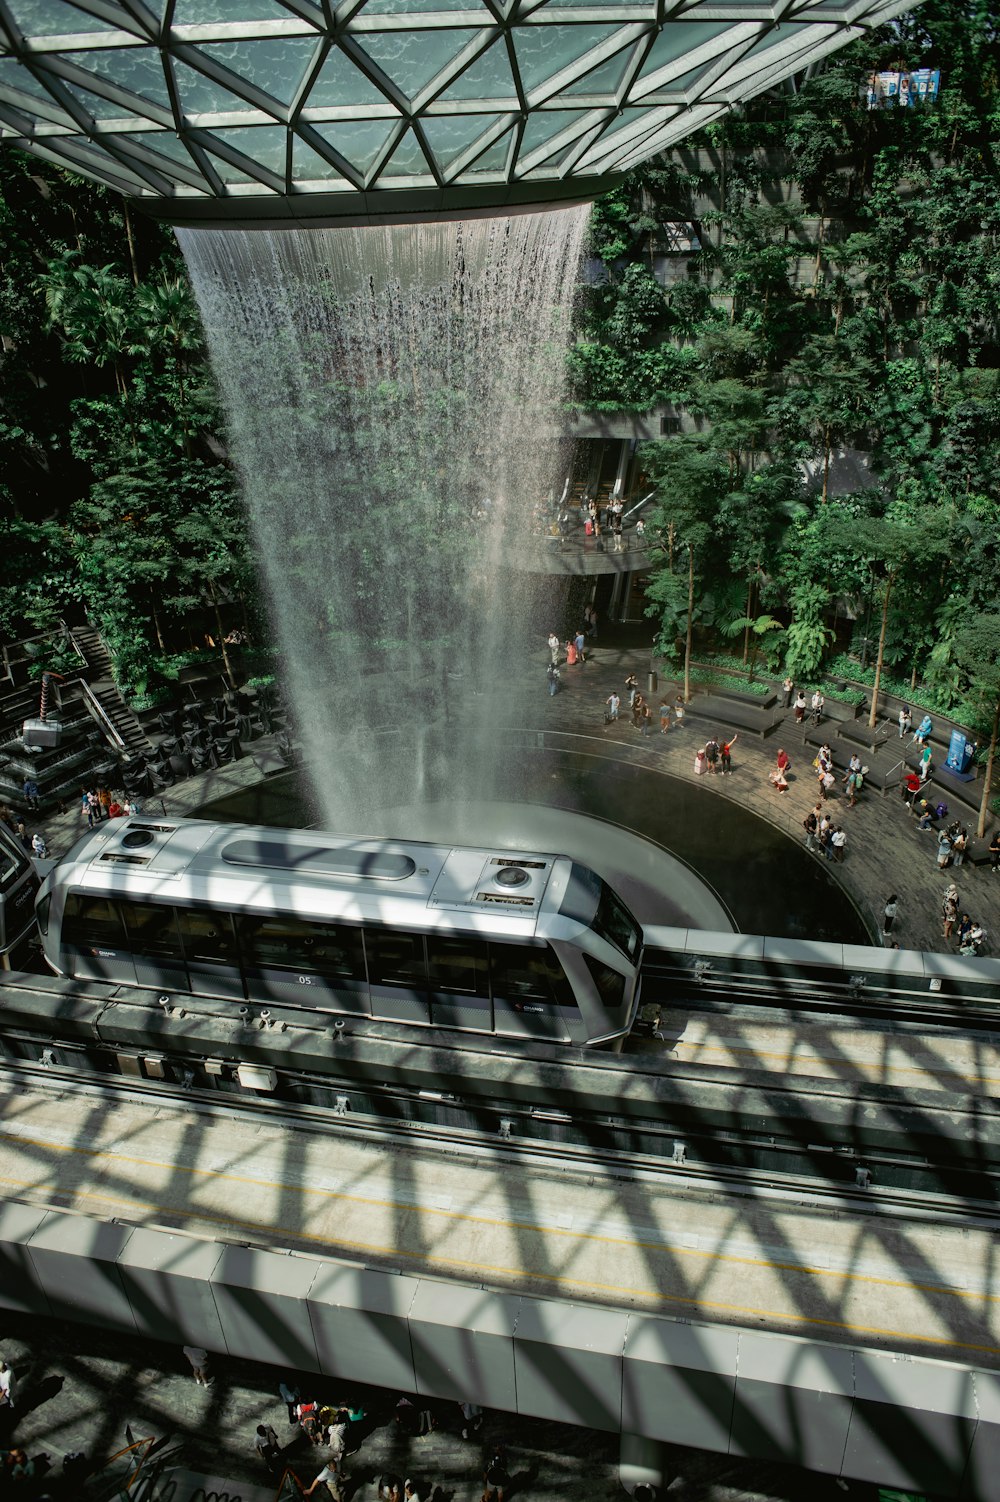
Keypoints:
pixel 393 399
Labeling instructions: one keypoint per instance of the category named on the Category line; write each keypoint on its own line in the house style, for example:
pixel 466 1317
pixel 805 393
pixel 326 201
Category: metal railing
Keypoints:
pixel 100 714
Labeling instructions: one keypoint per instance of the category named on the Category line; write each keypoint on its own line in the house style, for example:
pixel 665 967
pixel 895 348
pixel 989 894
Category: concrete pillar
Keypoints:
pixel 642 1467
pixel 624 459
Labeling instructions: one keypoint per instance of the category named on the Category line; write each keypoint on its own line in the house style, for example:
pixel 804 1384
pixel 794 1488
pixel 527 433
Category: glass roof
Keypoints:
pixel 407 94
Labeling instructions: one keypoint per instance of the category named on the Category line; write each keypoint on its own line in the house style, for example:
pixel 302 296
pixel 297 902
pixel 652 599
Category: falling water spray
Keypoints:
pixel 393 405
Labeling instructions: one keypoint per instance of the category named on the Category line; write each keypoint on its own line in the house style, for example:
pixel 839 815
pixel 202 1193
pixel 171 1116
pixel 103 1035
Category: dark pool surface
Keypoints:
pixel 767 880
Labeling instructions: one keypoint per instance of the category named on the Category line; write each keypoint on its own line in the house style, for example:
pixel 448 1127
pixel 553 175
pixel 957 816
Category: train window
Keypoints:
pixel 207 935
pixel 332 949
pixel 396 959
pixel 92 920
pixel 457 965
pixel 520 972
pixel 42 914
pixel 615 923
pixel 152 930
pixel 610 985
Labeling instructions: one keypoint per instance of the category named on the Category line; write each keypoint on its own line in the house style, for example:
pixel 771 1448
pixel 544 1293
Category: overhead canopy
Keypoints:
pixel 236 111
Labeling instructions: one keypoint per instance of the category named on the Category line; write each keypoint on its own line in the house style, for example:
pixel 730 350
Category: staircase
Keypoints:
pixel 103 699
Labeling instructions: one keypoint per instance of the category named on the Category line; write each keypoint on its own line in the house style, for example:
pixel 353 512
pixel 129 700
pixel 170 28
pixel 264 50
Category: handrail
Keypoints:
pixel 101 716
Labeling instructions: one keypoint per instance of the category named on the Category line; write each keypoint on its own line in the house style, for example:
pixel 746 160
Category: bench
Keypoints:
pixel 747 696
pixel 725 714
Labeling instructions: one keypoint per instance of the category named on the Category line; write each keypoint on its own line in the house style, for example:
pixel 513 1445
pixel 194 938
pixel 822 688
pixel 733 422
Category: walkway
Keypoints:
pixel 885 853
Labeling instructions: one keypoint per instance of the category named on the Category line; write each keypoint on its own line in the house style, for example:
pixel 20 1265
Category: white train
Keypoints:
pixel 490 941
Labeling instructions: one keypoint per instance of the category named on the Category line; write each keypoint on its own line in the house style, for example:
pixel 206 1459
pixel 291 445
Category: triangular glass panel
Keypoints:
pixel 543 125
pixel 52 18
pixel 265 144
pixel 137 69
pixel 407 160
pixel 420 7
pixel 340 82
pixel 309 166
pixel 494 160
pixel 165 143
pixel 13 75
pixel 412 58
pixel 627 120
pixel 449 136
pixel 359 142
pixel 543 51
pixel 228 171
pixel 488 78
pixel 676 38
pixel 97 106
pixel 605 79
pixel 203 12
pixel 203 96
pixel 275 65
pixel 683 82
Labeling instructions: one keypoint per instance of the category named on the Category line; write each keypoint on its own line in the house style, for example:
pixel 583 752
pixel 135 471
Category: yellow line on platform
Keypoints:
pixel 516 1275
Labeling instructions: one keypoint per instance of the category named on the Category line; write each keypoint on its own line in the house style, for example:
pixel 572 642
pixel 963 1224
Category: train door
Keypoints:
pixel 300 963
pixel 397 975
pixel 458 975
pixel 532 997
pixel 156 946
pixel 93 943
pixel 209 945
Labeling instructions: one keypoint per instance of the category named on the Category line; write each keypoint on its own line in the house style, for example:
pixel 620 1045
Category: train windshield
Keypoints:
pixel 615 923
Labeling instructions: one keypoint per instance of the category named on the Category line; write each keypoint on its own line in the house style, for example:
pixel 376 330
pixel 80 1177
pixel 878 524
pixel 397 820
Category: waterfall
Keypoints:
pixel 393 399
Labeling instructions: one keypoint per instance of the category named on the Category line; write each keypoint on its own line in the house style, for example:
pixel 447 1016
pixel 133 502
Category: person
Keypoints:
pixel 553 649
pixel 889 913
pixel 472 1419
pixel 949 910
pixel 995 853
pixel 787 689
pixel 552 677
pixel 20 1467
pixel 827 783
pixel 390 1488
pixel 712 753
pixel 640 533
pixel 824 758
pixel 959 845
pixel 614 704
pixel 910 788
pixel 308 1417
pixel 811 826
pixel 726 755
pixel 495 1476
pixel 580 642
pixel 664 716
pixel 333 1478
pixel 638 703
pixel 115 809
pixel 413 1491
pixel 779 780
pixel 679 711
pixel 926 816
pixel 904 721
pixel 925 763
pixel 700 762
pixel 571 653
pixel 616 527
pixel 38 846
pixel 632 685
pixel 94 814
pixel 838 842
pixel 198 1357
pixel 923 730
pixel 646 720
pixel 8 1386
pixel 800 706
pixel 290 1396
pixel 267 1447
pixel 944 849
pixel 818 706
pixel 964 929
pixel 784 760
pixel 975 940
pixel 853 782
pixel 336 1434
pixel 30 791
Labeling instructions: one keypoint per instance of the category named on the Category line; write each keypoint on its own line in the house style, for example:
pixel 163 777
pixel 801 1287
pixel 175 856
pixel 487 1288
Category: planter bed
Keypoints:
pixel 747 696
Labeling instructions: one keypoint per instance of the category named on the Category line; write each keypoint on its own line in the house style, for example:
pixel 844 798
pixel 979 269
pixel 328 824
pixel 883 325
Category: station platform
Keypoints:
pixel 753 1325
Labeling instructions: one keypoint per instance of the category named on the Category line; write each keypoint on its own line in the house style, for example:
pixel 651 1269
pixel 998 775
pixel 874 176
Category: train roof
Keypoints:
pixel 254 867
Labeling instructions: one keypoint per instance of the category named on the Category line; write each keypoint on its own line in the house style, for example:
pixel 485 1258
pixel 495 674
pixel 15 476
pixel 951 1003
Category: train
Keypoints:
pixel 511 944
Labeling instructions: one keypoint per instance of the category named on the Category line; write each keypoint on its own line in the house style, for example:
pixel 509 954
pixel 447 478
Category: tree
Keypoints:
pixel 978 650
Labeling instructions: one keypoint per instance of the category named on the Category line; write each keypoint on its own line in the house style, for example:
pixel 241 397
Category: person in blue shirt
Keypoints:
pixel 923 730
